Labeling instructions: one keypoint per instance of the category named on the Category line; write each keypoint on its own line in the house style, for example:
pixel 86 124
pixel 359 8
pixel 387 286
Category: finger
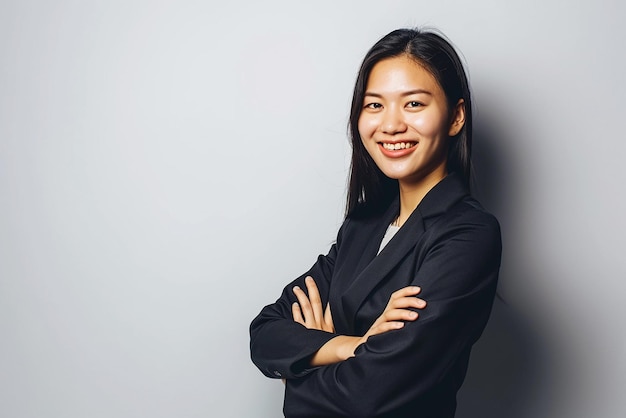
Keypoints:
pixel 384 327
pixel 297 313
pixel 399 315
pixel 406 291
pixel 407 302
pixel 305 306
pixel 315 300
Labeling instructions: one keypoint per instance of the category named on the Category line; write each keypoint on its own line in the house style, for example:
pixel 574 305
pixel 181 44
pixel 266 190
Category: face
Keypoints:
pixel 405 124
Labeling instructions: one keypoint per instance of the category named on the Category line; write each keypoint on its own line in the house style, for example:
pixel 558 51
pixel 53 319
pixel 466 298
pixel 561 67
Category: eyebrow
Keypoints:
pixel 406 93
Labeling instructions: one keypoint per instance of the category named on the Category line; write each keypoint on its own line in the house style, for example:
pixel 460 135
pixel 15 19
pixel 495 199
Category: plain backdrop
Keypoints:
pixel 166 167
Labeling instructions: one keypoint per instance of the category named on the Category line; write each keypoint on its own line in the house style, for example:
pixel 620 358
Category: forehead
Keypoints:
pixel 401 73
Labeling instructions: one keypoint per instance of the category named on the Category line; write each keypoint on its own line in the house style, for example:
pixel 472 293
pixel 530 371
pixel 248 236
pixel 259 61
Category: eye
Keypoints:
pixel 414 104
pixel 373 106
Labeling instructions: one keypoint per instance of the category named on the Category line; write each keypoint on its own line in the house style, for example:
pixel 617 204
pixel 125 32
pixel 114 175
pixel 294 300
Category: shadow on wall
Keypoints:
pixel 504 373
pixel 507 364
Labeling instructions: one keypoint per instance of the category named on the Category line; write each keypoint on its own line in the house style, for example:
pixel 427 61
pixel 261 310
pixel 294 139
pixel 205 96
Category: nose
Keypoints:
pixel 393 121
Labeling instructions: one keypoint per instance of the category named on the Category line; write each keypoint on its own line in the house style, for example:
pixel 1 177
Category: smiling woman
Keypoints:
pixel 351 337
pixel 405 125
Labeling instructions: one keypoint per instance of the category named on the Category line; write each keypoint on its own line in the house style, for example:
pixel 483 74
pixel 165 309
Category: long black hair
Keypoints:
pixel 369 190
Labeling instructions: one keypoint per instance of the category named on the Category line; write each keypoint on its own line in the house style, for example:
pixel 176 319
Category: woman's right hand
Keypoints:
pixel 397 311
pixel 342 347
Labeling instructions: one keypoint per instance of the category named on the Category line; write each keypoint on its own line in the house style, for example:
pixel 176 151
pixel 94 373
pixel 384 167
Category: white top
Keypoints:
pixel 391 231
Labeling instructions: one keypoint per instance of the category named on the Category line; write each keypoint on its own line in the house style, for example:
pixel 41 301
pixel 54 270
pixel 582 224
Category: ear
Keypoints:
pixel 458 118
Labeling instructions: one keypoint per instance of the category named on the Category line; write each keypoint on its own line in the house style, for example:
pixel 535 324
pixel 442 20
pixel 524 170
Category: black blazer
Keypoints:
pixel 450 247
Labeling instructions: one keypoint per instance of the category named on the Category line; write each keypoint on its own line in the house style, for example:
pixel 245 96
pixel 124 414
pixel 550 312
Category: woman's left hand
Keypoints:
pixel 308 311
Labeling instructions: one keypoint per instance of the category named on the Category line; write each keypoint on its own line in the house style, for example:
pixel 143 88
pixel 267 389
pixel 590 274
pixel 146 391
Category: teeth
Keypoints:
pixel 398 145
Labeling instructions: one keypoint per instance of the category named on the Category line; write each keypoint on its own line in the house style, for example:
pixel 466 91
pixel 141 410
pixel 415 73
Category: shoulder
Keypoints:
pixel 462 247
pixel 469 210
pixel 468 221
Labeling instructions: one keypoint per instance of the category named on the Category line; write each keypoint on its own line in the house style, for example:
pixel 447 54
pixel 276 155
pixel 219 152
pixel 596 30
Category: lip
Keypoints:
pixel 398 153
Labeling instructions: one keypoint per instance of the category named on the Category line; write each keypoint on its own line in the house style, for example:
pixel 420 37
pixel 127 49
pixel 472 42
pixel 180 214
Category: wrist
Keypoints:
pixel 346 349
pixel 338 349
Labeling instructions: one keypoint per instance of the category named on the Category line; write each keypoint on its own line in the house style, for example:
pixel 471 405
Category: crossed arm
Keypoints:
pixel 422 365
pixel 308 311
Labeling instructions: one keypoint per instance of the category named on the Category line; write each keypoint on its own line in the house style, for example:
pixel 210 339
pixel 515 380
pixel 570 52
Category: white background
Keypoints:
pixel 167 167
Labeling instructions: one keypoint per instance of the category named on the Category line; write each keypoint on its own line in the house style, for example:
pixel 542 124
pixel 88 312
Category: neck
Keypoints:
pixel 412 193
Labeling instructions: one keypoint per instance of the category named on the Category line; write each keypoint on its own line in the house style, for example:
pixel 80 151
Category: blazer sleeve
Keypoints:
pixel 280 347
pixel 458 276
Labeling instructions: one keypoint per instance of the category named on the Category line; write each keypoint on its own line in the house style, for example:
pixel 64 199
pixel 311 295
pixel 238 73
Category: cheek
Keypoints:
pixel 425 125
pixel 430 124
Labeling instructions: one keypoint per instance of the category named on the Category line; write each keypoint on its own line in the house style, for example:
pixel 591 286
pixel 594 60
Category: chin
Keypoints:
pixel 398 174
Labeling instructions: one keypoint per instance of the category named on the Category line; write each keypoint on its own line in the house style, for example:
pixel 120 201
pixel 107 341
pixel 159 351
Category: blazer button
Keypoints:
pixel 277 373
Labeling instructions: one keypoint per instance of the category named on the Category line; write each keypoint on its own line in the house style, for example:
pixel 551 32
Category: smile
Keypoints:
pixel 398 145
pixel 397 149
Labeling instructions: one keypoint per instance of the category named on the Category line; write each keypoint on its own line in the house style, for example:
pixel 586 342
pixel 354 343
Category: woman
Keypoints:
pixel 351 337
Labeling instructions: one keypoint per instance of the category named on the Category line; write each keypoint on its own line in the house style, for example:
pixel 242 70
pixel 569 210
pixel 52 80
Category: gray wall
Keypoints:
pixel 166 167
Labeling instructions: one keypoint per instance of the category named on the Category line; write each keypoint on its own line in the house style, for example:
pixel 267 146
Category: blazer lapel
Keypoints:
pixel 438 200
pixel 380 265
